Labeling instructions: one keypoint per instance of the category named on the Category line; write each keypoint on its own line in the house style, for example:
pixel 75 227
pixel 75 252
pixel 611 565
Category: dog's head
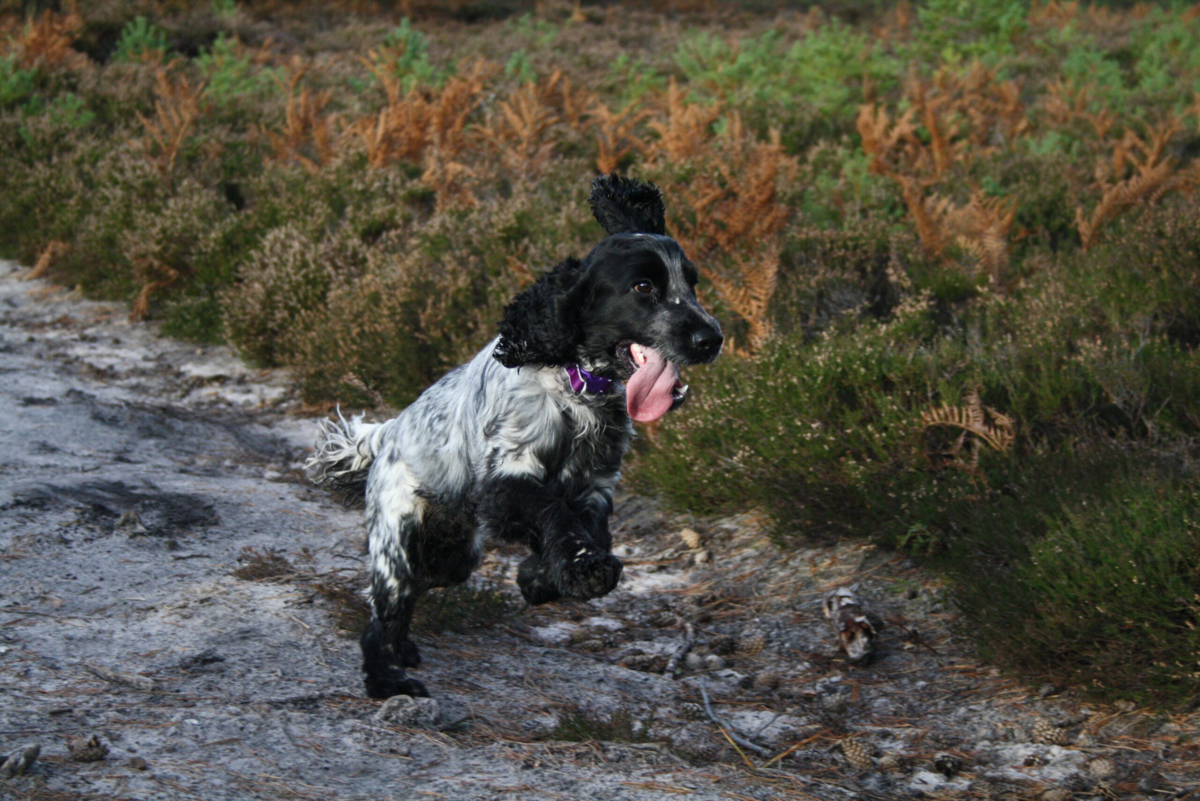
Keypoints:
pixel 627 312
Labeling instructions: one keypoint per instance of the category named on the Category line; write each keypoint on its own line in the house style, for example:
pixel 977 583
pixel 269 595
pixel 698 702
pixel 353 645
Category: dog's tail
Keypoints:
pixel 343 456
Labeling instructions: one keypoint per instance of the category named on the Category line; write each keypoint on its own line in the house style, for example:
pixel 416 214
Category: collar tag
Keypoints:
pixel 583 380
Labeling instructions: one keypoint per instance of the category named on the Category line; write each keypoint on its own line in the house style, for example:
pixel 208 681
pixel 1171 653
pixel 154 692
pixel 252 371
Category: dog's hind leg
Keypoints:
pixel 394 521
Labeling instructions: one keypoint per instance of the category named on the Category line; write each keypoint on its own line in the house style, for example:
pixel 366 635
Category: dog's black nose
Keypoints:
pixel 707 341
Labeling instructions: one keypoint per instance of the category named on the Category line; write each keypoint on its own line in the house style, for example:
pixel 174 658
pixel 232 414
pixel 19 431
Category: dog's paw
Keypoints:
pixel 393 682
pixel 408 654
pixel 589 575
pixel 536 586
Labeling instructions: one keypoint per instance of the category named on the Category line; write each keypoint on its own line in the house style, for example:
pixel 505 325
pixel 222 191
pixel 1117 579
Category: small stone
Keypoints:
pixel 694 661
pixel 713 662
pixel 1057 794
pixel 1085 740
pixel 592 645
pixel 1047 690
pixel 87 749
pixel 403 710
pixel 691 539
pixel 137 763
pixel 1125 706
pixel 702 557
pixel 1102 768
pixel 129 523
pixel 857 755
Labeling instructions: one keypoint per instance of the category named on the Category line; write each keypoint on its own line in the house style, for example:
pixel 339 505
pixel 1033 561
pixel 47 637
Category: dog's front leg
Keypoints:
pixel 567 560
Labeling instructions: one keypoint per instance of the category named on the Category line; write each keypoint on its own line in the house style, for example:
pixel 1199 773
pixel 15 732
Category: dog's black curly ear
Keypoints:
pixel 541 325
pixel 627 205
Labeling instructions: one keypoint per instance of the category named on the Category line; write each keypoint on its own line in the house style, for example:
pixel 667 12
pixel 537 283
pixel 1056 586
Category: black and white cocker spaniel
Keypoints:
pixel 525 441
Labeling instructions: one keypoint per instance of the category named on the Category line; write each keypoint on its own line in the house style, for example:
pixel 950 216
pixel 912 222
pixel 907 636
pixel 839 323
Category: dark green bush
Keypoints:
pixel 1097 585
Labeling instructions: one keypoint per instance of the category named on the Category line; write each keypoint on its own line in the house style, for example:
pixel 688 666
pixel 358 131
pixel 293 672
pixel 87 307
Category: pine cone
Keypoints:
pixel 647 663
pixel 948 765
pixel 592 645
pixel 662 619
pixel 691 539
pixel 752 645
pixel 722 644
pixel 857 755
pixel 766 681
pixel 1102 768
pixel 1046 732
pixel 692 711
pixel 87 749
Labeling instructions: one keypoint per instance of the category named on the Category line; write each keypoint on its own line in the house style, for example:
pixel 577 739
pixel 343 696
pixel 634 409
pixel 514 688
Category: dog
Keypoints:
pixel 524 442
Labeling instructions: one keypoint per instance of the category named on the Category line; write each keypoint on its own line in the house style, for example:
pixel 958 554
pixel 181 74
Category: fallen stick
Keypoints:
pixel 117 677
pixel 676 661
pixel 726 729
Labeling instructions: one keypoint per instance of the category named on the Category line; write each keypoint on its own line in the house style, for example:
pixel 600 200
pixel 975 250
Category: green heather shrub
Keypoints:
pixel 406 53
pixel 1098 585
pixel 16 84
pixel 140 40
pixel 230 73
pixel 284 277
pixel 959 30
pixel 807 88
pixel 825 428
pixel 430 297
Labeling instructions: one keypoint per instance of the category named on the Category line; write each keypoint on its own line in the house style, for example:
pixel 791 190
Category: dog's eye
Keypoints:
pixel 645 287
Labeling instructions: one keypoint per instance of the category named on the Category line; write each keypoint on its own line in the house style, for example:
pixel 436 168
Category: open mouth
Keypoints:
pixel 654 387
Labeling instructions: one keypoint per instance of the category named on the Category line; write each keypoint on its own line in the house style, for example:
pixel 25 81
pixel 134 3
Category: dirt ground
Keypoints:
pixel 170 587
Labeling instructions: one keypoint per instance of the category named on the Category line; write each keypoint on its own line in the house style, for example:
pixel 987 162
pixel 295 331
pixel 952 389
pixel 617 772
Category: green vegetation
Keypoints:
pixel 954 244
pixel 579 727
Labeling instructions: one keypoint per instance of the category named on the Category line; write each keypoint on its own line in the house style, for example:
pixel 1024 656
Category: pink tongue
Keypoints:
pixel 648 392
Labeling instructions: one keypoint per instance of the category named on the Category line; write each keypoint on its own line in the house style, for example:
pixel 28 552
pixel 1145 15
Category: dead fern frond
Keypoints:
pixel 45 259
pixel 747 286
pixel 1055 13
pixel 982 229
pixel 728 217
pixel 884 140
pixel 519 130
pixel 449 179
pixel 615 140
pixel 45 42
pixel 399 132
pixel 304 122
pixel 983 423
pixel 176 107
pixel 686 130
pixel 1151 174
pixel 575 104
pixel 451 108
pixel 154 276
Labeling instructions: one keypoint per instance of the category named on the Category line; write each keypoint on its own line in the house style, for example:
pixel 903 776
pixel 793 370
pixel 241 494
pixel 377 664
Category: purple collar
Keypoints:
pixel 581 379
